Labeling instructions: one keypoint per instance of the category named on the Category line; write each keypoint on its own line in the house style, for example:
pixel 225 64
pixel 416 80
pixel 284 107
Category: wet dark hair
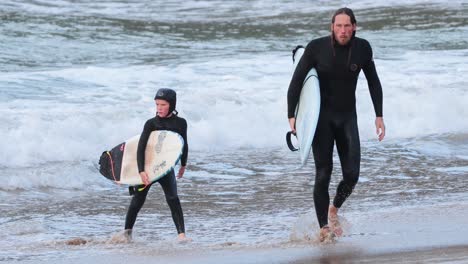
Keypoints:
pixel 346 11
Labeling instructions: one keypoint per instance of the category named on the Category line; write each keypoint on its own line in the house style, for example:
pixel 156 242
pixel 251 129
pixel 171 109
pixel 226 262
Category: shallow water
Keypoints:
pixel 79 78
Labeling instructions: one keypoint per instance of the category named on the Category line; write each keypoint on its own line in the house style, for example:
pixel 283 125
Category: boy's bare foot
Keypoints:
pixel 127 235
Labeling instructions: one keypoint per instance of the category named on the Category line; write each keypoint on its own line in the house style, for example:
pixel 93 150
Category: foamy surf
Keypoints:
pixel 71 88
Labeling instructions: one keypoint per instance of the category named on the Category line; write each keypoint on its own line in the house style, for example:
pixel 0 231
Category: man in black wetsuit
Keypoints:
pixel 338 59
pixel 166 119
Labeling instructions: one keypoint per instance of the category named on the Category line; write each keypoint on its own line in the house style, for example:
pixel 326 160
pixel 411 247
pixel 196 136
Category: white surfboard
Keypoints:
pixel 307 110
pixel 162 153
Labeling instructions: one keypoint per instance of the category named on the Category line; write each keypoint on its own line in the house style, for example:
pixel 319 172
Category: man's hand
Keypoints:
pixel 292 124
pixel 144 178
pixel 181 172
pixel 380 128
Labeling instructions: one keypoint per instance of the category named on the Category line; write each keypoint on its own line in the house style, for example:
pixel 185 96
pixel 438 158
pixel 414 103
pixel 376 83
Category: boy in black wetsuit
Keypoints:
pixel 338 59
pixel 166 119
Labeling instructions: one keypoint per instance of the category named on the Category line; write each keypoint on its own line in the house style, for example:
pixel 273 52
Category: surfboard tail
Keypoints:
pixel 110 163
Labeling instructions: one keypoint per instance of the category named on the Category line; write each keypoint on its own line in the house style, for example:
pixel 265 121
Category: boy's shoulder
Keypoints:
pixel 180 119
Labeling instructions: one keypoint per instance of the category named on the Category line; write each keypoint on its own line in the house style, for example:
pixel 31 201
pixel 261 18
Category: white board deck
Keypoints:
pixel 162 153
pixel 307 110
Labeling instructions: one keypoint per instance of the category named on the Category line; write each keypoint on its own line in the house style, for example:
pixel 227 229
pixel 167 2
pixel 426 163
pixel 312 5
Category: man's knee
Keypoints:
pixel 322 180
pixel 351 177
pixel 323 174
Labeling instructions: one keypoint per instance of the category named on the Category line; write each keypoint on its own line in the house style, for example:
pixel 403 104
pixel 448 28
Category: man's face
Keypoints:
pixel 343 29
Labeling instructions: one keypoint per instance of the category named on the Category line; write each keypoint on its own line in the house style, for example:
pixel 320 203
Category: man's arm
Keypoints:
pixel 380 128
pixel 295 86
pixel 375 89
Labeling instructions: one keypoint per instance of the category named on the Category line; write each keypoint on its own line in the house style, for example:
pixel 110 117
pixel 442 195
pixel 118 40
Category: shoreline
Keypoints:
pixel 279 255
pixel 430 234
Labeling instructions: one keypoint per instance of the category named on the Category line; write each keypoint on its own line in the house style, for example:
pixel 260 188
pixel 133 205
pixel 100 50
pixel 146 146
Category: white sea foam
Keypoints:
pixel 240 102
pixel 454 170
pixel 423 94
pixel 23 228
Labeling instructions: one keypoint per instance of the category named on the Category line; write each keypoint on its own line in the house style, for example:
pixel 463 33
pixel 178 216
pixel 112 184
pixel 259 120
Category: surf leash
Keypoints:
pixel 295 50
pixel 289 142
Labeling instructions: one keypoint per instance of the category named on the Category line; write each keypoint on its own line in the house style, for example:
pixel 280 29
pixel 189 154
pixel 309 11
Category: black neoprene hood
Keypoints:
pixel 168 95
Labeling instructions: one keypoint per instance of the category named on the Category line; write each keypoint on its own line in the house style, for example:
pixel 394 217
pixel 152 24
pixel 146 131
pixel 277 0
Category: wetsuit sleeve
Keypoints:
pixel 295 87
pixel 142 146
pixel 375 88
pixel 183 160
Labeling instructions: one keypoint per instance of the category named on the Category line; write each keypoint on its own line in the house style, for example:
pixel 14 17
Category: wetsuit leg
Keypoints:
pixel 349 151
pixel 137 202
pixel 169 185
pixel 322 147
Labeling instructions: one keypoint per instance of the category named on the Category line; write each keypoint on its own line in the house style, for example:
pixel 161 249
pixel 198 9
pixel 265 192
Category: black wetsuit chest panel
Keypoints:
pixel 338 69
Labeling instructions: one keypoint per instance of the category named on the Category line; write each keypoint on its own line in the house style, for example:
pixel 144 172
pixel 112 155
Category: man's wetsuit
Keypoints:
pixel 338 67
pixel 168 182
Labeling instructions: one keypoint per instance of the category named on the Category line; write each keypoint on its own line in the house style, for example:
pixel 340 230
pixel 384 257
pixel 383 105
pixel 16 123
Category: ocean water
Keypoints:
pixel 78 77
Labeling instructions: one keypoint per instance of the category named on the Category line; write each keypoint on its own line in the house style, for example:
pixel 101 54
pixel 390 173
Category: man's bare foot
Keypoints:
pixel 332 212
pixel 326 235
pixel 334 222
pixel 181 238
pixel 336 229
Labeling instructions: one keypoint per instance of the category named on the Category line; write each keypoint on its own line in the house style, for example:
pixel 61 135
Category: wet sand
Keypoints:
pixel 295 255
pixel 453 254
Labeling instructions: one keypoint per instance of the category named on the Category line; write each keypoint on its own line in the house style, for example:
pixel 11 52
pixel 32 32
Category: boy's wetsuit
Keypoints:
pixel 168 182
pixel 338 67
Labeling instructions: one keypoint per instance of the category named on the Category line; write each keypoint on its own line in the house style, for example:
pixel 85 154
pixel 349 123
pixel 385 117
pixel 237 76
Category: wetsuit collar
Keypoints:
pixel 167 117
